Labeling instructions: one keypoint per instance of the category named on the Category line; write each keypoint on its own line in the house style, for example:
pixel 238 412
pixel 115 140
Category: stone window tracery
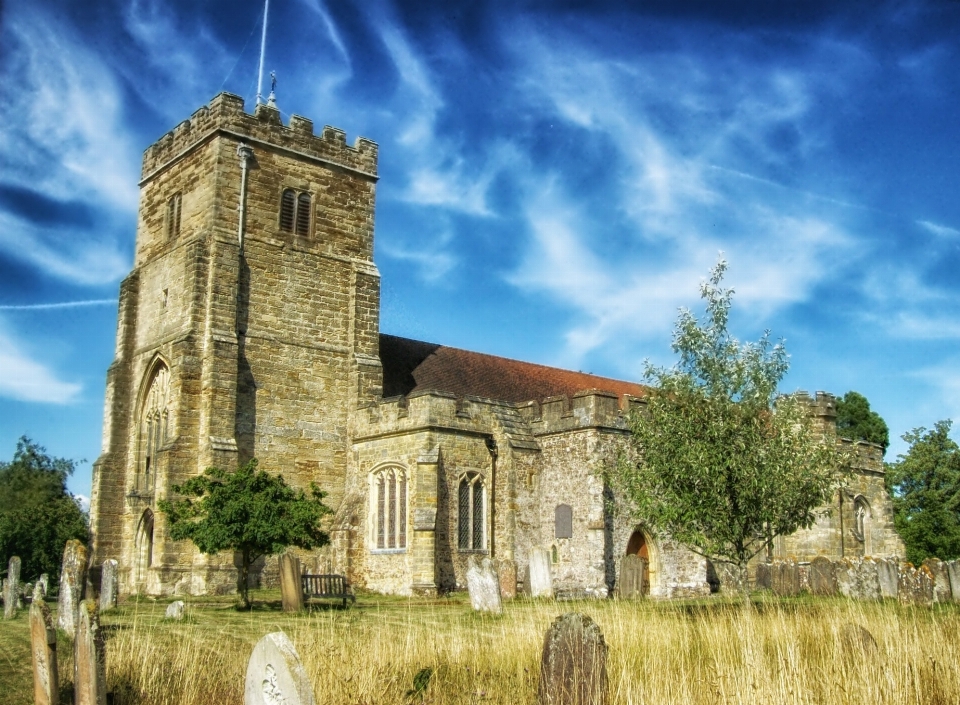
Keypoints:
pixel 471 507
pixel 154 427
pixel 389 499
pixel 861 514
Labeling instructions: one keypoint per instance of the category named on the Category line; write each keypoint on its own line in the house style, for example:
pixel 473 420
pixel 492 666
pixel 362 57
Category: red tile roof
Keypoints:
pixel 414 366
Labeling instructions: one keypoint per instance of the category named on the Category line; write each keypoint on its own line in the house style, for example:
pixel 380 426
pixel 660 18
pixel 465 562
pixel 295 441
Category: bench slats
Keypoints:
pixel 326 586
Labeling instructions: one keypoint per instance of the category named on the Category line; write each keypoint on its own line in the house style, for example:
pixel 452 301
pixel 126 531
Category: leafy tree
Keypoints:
pixel 249 511
pixel 37 513
pixel 925 484
pixel 855 420
pixel 721 463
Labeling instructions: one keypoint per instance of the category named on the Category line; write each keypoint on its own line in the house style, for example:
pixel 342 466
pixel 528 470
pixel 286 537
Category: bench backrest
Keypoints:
pixel 327 584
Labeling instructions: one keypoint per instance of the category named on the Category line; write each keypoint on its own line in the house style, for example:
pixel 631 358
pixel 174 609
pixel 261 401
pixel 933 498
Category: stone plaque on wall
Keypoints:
pixel 563 521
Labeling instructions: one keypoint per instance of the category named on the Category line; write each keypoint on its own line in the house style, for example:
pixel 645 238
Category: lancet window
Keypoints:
pixel 471 507
pixel 389 508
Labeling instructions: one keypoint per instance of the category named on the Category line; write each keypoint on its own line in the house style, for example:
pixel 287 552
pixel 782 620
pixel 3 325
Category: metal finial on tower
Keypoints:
pixel 272 99
pixel 263 50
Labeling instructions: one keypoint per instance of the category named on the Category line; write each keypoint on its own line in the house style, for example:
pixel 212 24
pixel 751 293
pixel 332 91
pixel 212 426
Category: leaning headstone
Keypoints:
pixel 43 643
pixel 175 610
pixel 540 576
pixel 953 572
pixel 89 658
pixel 573 668
pixel 483 586
pixel 11 589
pixel 941 580
pixel 108 585
pixel 291 587
pixel 857 641
pixel 507 575
pixel 888 574
pixel 630 584
pixel 916 585
pixel 275 675
pixel 72 580
pixel 822 576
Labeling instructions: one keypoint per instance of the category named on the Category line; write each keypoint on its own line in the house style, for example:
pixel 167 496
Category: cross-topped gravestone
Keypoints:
pixel 275 675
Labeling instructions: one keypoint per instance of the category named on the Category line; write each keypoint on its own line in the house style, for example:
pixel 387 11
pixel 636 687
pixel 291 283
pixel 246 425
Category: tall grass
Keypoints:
pixel 781 652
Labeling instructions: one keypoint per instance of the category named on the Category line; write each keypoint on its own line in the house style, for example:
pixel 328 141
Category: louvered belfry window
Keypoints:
pixel 389 500
pixel 295 212
pixel 470 518
pixel 288 210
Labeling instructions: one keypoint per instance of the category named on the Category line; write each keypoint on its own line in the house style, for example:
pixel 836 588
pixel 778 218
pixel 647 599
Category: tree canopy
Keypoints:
pixel 722 463
pixel 249 511
pixel 38 515
pixel 925 485
pixel 856 421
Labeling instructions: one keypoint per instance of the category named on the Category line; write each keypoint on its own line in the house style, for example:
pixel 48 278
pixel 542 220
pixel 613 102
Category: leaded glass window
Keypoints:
pixel 471 512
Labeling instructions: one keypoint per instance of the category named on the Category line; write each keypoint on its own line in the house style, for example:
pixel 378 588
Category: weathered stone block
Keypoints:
pixel 941 579
pixel 916 585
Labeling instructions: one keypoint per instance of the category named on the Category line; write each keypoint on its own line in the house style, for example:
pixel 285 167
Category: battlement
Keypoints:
pixel 225 115
pixel 822 404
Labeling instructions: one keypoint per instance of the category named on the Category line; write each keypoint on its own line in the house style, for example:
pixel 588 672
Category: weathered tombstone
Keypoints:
pixel 823 576
pixel 11 589
pixel 763 580
pixel 38 595
pixel 888 574
pixel 953 572
pixel 108 585
pixel 786 578
pixel 941 580
pixel 857 641
pixel 484 586
pixel 573 668
pixel 89 658
pixel 507 575
pixel 540 576
pixel 175 610
pixel 275 675
pixel 858 579
pixel 43 643
pixel 916 585
pixel 291 587
pixel 630 584
pixel 44 582
pixel 72 580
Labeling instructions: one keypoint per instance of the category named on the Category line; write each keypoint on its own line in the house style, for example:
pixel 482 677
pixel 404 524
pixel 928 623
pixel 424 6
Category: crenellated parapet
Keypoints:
pixel 225 115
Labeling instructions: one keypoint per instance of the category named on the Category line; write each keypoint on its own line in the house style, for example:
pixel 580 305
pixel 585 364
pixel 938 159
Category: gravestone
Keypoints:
pixel 916 585
pixel 89 658
pixel 858 642
pixel 507 575
pixel 38 595
pixel 175 610
pixel 953 573
pixel 630 584
pixel 539 573
pixel 483 586
pixel 763 581
pixel 72 579
pixel 43 643
pixel 858 579
pixel 108 585
pixel 44 582
pixel 291 587
pixel 888 574
pixel 11 589
pixel 573 668
pixel 786 578
pixel 941 580
pixel 823 576
pixel 275 675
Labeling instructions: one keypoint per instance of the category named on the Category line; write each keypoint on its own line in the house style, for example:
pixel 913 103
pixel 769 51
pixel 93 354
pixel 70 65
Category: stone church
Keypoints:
pixel 250 328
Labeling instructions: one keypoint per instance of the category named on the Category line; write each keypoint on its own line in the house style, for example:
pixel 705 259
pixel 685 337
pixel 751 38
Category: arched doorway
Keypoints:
pixel 639 546
pixel 143 557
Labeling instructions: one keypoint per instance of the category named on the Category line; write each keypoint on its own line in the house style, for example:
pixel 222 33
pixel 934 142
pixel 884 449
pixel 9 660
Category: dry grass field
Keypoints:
pixel 783 651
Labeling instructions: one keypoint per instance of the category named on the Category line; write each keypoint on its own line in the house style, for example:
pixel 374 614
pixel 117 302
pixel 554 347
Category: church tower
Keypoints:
pixel 247 328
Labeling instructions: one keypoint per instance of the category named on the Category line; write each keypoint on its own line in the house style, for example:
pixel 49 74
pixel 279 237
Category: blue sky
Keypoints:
pixel 556 179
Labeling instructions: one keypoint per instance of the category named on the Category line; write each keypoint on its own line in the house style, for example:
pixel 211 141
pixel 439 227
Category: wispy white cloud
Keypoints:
pixel 24 378
pixel 59 305
pixel 939 230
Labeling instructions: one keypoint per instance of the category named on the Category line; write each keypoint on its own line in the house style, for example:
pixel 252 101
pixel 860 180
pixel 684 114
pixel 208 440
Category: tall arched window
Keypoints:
pixel 295 212
pixel 154 426
pixel 173 215
pixel 143 557
pixel 388 494
pixel 471 510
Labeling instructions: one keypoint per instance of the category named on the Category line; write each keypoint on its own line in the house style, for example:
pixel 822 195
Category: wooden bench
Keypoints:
pixel 327 586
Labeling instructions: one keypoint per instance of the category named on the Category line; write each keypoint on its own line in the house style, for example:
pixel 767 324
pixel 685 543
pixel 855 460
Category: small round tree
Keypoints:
pixel 249 511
